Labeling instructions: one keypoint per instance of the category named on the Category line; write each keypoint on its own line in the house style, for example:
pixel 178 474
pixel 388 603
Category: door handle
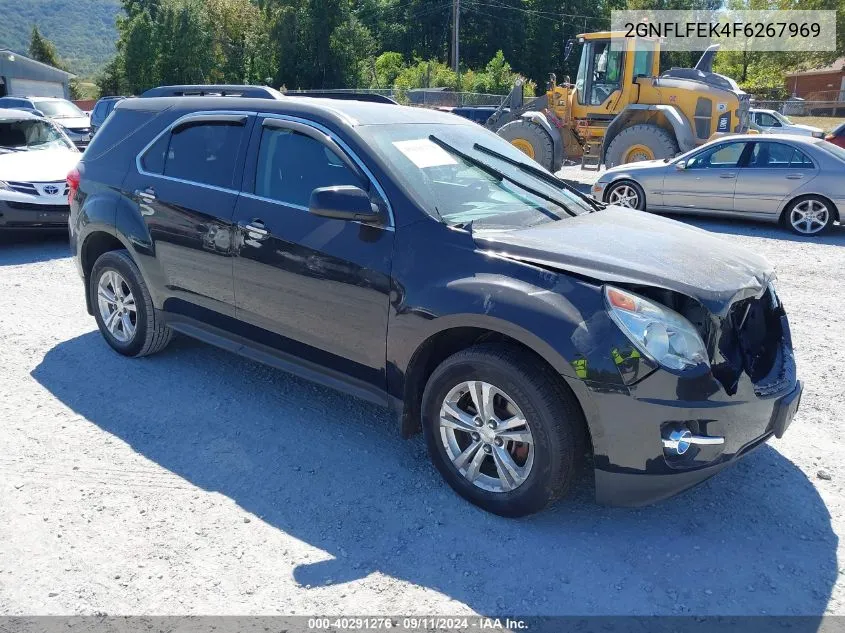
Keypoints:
pixel 794 176
pixel 255 228
pixel 147 195
pixel 729 175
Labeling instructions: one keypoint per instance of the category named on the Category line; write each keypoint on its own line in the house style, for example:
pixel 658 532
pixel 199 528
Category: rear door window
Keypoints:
pixel 778 156
pixel 204 153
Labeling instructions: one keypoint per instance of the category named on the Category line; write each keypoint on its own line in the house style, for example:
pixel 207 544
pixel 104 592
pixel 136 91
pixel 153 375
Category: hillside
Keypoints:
pixel 83 30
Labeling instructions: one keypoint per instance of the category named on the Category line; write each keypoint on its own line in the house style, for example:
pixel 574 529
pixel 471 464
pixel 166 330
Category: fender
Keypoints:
pixel 681 127
pixel 557 141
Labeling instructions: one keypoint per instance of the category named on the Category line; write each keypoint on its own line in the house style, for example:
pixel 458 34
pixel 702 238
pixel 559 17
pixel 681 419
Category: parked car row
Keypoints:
pixel 73 121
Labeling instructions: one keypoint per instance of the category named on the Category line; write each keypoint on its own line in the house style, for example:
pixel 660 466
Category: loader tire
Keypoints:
pixel 640 142
pixel 531 139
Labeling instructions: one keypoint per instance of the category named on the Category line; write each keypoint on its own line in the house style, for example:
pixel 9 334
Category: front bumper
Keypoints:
pixel 30 215
pixel 632 468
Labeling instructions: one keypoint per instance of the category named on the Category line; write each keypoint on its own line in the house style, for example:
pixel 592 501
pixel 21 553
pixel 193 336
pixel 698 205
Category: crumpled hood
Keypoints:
pixel 41 165
pixel 626 246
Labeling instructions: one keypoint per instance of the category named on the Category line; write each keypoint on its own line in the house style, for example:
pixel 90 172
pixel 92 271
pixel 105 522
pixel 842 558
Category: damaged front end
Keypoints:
pixel 677 428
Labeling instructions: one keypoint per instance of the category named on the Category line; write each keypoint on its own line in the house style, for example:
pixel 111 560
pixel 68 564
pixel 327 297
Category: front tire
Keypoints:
pixel 531 140
pixel 502 430
pixel 626 193
pixel 123 307
pixel 638 143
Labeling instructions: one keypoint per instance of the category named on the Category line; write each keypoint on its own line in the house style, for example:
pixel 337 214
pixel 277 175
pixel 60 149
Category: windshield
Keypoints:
pixel 59 109
pixel 782 118
pixel 31 134
pixel 447 168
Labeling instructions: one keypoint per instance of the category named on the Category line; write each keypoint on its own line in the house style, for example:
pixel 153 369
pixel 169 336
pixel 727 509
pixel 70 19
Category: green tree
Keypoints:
pixel 43 50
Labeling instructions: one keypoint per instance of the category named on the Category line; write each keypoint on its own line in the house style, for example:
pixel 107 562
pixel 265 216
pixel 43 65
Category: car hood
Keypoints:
pixel 633 168
pixel 74 122
pixel 42 165
pixel 632 247
pixel 806 128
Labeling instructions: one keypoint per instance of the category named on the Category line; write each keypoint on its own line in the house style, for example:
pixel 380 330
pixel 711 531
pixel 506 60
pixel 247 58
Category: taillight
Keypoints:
pixel 72 184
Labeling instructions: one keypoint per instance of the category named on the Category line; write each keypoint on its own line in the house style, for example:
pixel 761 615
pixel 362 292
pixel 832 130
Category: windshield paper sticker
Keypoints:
pixel 423 153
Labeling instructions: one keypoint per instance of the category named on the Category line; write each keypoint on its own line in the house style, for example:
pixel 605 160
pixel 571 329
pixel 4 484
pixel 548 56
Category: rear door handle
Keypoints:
pixel 794 176
pixel 728 175
pixel 147 195
pixel 255 228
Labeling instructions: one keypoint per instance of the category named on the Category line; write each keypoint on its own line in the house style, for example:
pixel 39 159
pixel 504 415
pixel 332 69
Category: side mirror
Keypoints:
pixel 681 165
pixel 344 202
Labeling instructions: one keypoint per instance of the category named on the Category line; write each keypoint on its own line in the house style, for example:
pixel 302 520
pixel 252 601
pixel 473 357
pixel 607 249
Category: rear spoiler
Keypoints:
pixel 214 90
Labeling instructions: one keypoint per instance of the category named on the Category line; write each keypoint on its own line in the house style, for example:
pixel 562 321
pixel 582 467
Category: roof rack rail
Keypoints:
pixel 214 90
pixel 344 96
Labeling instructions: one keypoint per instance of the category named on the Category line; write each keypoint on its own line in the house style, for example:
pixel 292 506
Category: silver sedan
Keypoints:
pixel 799 182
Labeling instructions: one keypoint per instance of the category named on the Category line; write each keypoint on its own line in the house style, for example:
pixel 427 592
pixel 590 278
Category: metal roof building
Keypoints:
pixel 21 76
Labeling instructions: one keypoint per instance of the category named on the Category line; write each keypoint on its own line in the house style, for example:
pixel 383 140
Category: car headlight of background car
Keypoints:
pixel 818 134
pixel 661 334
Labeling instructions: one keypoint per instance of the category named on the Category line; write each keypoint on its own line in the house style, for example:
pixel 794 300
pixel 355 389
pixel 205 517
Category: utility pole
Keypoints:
pixel 456 45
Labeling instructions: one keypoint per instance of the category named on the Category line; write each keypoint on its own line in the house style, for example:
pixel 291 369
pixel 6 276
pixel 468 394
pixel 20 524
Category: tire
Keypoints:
pixel 555 426
pixel 531 139
pixel 149 334
pixel 624 189
pixel 821 210
pixel 659 142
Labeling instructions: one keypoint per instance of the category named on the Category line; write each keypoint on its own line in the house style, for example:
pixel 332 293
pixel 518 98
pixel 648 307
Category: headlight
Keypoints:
pixel 818 134
pixel 658 332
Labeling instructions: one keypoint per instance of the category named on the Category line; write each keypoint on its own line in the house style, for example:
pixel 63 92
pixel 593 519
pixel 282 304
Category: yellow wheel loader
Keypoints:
pixel 621 109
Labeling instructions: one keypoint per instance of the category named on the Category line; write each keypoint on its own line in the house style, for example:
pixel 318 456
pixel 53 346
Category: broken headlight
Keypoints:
pixel 661 334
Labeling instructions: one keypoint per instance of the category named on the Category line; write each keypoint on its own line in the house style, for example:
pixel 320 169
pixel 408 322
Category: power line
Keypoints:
pixel 538 13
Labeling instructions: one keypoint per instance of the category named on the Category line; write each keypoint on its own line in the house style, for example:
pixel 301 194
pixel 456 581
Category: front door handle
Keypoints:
pixel 728 175
pixel 794 176
pixel 147 195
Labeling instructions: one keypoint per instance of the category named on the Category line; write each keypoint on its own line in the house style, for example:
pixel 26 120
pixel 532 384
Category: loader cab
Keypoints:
pixel 607 71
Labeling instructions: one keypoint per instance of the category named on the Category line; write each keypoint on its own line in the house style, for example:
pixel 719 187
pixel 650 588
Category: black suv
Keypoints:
pixel 414 259
pixel 102 109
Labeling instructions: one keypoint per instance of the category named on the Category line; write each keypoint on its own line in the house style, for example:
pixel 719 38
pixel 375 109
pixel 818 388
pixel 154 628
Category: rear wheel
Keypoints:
pixel 640 142
pixel 123 307
pixel 501 430
pixel 810 215
pixel 530 139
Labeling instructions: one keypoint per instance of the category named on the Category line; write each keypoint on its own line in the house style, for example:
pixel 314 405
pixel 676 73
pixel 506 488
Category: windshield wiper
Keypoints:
pixel 498 175
pixel 541 174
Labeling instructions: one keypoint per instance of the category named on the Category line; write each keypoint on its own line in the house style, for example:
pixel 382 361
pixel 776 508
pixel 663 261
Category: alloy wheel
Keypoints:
pixel 117 306
pixel 624 196
pixel 809 216
pixel 486 436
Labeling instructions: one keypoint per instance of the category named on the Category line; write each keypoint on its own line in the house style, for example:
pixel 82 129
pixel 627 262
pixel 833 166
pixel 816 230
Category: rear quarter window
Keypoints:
pixel 117 130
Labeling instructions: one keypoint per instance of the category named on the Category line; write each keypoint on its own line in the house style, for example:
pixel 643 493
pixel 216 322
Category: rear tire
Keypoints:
pixel 531 139
pixel 809 215
pixel 632 141
pixel 123 307
pixel 549 444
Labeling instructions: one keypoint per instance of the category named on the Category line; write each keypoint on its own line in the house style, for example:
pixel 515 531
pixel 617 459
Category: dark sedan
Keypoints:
pixel 414 259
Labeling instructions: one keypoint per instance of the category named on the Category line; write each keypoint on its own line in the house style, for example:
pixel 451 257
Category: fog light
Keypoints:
pixel 680 440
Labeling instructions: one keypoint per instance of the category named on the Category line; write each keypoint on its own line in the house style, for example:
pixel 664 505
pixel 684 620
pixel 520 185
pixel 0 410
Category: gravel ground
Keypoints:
pixel 197 482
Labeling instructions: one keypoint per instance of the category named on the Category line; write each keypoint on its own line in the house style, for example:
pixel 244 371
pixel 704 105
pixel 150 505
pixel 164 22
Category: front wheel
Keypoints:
pixel 503 432
pixel 626 193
